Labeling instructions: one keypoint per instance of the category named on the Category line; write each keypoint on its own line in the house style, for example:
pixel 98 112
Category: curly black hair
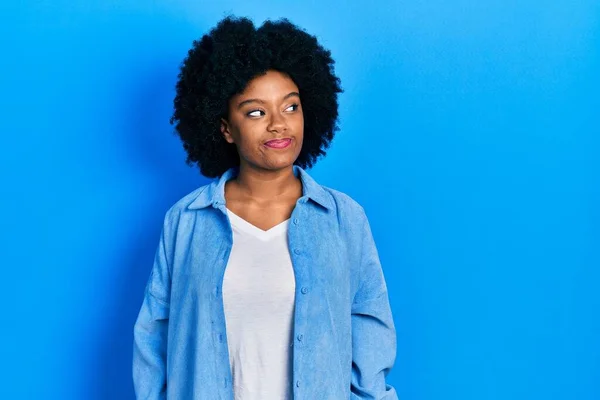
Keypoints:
pixel 221 64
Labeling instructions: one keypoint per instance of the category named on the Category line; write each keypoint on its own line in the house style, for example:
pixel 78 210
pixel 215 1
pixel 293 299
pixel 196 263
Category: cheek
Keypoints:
pixel 249 137
pixel 297 123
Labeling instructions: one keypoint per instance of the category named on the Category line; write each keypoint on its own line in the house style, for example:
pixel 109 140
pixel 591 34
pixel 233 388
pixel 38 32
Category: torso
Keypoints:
pixel 259 294
pixel 258 300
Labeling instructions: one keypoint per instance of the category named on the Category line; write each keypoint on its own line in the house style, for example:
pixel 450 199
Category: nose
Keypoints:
pixel 276 123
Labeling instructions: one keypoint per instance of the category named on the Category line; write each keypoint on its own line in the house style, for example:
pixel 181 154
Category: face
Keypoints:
pixel 268 109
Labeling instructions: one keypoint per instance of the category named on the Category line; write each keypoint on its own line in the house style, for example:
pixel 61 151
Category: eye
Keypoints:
pixel 293 105
pixel 255 113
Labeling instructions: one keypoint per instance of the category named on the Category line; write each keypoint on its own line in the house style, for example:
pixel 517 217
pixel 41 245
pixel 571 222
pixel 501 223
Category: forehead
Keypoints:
pixel 271 84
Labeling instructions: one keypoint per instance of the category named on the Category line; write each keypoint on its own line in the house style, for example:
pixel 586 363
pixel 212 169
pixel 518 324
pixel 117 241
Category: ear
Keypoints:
pixel 225 130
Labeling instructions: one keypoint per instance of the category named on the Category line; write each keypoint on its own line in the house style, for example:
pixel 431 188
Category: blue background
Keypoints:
pixel 469 132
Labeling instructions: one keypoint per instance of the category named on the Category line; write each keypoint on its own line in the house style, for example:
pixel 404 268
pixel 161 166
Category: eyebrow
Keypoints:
pixel 287 96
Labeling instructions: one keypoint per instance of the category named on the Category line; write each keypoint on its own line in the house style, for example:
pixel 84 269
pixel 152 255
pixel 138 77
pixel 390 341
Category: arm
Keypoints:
pixel 373 331
pixel 150 330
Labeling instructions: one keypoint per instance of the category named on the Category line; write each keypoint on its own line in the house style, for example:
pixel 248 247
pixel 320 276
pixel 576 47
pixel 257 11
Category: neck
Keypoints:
pixel 267 185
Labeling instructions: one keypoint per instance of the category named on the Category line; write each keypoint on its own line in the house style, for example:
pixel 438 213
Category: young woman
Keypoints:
pixel 265 284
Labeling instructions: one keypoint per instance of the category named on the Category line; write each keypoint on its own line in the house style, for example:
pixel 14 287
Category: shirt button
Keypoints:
pixel 300 337
pixel 304 290
pixel 296 221
pixel 297 251
pixel 297 383
pixel 220 337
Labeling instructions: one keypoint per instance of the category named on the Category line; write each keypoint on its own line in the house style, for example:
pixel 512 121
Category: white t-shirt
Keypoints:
pixel 258 297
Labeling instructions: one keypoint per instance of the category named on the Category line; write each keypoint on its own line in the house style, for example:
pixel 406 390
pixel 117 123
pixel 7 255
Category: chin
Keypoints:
pixel 280 165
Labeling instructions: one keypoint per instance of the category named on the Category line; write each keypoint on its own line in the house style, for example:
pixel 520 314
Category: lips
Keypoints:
pixel 278 143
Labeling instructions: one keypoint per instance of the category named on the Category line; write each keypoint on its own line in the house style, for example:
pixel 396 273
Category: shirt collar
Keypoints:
pixel 214 193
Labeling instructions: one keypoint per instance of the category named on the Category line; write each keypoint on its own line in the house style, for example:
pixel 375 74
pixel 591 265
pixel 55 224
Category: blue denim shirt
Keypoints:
pixel 344 335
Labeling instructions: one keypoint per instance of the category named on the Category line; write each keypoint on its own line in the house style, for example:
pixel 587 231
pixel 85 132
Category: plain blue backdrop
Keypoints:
pixel 475 122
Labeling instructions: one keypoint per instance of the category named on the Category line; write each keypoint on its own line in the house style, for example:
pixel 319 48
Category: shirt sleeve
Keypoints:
pixel 373 331
pixel 150 330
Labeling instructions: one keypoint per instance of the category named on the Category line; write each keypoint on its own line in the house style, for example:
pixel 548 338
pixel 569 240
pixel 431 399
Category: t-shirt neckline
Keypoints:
pixel 254 230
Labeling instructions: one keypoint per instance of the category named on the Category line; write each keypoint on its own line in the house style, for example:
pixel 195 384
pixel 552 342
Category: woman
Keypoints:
pixel 265 284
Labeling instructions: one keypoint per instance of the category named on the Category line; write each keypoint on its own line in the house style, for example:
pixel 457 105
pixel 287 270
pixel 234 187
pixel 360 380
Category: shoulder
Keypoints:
pixel 180 209
pixel 342 199
pixel 346 205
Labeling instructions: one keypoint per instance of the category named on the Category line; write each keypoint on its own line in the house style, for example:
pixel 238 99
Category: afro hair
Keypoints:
pixel 221 64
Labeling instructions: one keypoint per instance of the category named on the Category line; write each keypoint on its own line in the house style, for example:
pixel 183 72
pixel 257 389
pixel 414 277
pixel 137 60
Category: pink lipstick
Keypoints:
pixel 278 144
